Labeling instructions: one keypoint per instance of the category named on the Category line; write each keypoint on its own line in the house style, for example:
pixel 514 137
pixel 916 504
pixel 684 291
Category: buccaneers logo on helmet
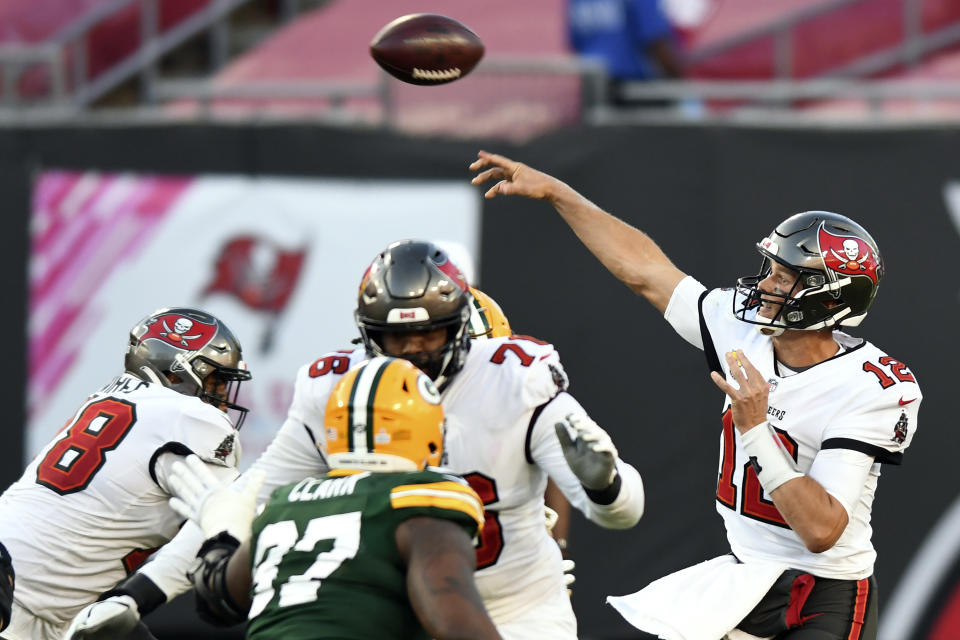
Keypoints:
pixel 849 256
pixel 180 331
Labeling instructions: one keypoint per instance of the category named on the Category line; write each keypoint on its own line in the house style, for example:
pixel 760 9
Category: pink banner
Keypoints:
pixel 84 226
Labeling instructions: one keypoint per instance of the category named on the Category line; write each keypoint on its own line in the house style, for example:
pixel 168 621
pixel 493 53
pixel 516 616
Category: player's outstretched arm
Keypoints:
pixel 440 562
pixel 628 253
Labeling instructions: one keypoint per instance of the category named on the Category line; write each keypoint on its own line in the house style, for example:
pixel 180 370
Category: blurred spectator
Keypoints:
pixel 632 38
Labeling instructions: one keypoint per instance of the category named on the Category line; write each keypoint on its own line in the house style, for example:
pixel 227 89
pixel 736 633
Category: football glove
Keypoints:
pixel 551 517
pixel 110 618
pixel 590 452
pixel 214 506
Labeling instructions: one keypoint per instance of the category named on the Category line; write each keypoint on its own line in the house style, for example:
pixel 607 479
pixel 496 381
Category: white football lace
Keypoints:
pixel 427 74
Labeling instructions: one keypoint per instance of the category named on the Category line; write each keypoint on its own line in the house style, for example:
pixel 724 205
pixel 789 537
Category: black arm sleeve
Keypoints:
pixel 142 589
pixel 209 577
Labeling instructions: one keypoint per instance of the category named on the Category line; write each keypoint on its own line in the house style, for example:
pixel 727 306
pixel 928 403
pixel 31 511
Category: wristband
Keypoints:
pixel 606 496
pixel 142 589
pixel 769 458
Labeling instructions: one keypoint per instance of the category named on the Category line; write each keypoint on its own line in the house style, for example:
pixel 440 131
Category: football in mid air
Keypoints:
pixel 426 48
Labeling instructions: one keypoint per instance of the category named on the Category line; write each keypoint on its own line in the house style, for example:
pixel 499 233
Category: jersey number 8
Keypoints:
pixel 73 460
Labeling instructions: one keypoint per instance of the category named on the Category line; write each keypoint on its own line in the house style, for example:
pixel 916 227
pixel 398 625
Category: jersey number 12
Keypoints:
pixel 752 503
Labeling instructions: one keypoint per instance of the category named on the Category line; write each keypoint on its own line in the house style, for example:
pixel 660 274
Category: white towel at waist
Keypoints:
pixel 702 602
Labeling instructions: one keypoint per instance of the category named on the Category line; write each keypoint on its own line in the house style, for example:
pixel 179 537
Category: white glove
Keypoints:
pixel 590 453
pixel 212 504
pixel 551 518
pixel 111 618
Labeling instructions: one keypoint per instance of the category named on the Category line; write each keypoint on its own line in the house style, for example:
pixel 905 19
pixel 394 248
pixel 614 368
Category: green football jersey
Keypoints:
pixel 324 557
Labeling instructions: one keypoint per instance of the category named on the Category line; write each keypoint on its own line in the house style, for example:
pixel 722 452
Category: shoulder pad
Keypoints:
pixel 886 411
pixel 211 436
pixel 433 491
pixel 535 363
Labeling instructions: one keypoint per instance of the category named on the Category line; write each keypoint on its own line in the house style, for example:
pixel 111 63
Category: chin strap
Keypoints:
pixel 770 332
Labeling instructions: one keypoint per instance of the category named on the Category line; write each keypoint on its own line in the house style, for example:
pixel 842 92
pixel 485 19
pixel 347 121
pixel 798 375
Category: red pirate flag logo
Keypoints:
pixel 260 274
pixel 257 272
pixel 848 255
pixel 179 331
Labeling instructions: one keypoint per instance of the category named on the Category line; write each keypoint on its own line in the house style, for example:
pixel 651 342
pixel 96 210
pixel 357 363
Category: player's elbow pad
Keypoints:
pixel 209 578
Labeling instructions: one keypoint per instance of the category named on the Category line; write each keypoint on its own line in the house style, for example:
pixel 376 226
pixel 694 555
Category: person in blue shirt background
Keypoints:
pixel 632 38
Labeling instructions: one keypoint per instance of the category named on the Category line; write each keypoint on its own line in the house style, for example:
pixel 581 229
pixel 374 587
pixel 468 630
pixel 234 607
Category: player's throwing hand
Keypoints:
pixel 749 401
pixel 514 178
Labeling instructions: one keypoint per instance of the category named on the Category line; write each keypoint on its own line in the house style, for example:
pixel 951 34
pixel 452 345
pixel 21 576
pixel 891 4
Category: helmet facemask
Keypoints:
pixel 213 383
pixel 796 306
pixel 439 364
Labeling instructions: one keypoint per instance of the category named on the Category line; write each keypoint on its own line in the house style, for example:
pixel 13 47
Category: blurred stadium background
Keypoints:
pixel 249 157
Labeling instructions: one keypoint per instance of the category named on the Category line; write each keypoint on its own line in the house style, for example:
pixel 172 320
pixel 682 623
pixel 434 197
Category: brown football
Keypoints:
pixel 426 48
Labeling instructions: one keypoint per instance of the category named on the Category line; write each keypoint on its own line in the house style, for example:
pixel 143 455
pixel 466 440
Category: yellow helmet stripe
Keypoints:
pixel 360 416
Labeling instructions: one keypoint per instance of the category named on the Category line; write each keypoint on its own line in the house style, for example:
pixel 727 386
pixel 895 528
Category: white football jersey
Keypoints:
pixel 500 409
pixel 840 419
pixel 89 509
